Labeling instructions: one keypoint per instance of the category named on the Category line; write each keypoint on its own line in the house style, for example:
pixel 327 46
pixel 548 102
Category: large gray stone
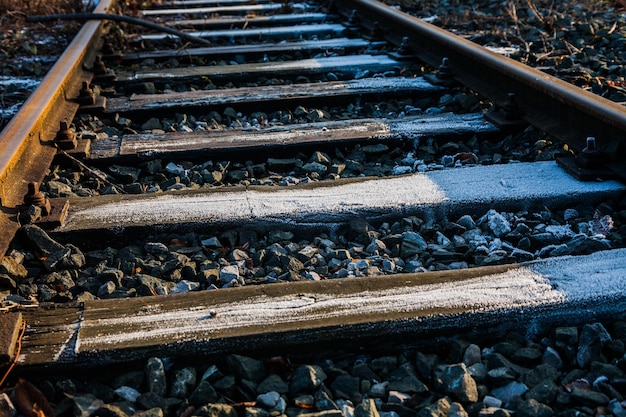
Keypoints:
pixel 456 381
pixel 272 383
pixel 457 410
pixel 268 400
pixel 412 244
pixel 155 377
pixel 323 400
pixel 149 285
pixel 552 357
pixel 305 379
pixel 40 240
pixel 127 393
pixel 86 405
pixel 510 390
pixel 367 408
pixel 533 408
pixel 203 394
pixel 590 343
pixel 410 384
pixel 184 381
pixel 12 268
pixel 496 223
pixel 538 374
pixel 347 387
pixel 472 355
pixel 439 408
pixel 588 398
pixel 544 392
pixel 501 376
pixel 244 367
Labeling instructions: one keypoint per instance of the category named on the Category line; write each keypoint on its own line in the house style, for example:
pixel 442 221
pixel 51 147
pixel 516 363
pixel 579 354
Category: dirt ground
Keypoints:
pixel 19 38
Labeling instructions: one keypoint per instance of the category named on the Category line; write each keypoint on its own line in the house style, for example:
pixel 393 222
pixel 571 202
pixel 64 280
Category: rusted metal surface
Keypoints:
pixel 23 158
pixel 554 106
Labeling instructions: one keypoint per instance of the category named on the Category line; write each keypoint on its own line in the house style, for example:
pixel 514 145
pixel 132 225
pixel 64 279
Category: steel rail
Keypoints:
pixel 552 105
pixel 23 158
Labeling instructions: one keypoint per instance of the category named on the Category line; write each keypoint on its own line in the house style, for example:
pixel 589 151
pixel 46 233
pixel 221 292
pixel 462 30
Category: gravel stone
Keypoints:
pixel 247 368
pixel 216 410
pixel 590 343
pixel 203 393
pixel 155 377
pixel 127 393
pixel 510 390
pixel 306 379
pixel 456 381
pixel 347 387
pixel 184 381
pixel 367 408
pixel 9 266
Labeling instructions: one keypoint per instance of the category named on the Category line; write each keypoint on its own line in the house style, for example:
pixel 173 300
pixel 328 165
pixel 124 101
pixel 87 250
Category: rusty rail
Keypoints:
pixel 23 158
pixel 552 105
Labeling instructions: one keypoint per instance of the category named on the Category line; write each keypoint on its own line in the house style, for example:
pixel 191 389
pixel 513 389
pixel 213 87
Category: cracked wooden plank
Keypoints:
pixel 279 94
pixel 408 128
pixel 345 64
pixel 350 310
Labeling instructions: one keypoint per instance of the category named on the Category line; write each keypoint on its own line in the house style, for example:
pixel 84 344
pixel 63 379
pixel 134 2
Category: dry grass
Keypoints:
pixel 36 7
pixel 17 36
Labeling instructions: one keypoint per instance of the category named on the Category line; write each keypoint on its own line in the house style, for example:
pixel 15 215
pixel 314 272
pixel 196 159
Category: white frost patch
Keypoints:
pixel 471 185
pixel 330 62
pixel 10 111
pixel 495 183
pixel 268 31
pixel 566 280
pixel 170 208
pixel 223 9
pixel 595 276
pixel 474 122
pixel 521 287
pixel 507 51
pixel 20 82
pixel 391 82
pixel 561 231
pixel 374 62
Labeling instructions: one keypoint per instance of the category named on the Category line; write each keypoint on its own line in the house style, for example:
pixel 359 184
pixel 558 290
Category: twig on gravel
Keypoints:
pixel 511 10
pixel 535 11
pixel 92 171
pixel 119 18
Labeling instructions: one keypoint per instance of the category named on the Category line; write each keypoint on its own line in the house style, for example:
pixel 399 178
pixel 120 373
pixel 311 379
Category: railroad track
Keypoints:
pixel 279 81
